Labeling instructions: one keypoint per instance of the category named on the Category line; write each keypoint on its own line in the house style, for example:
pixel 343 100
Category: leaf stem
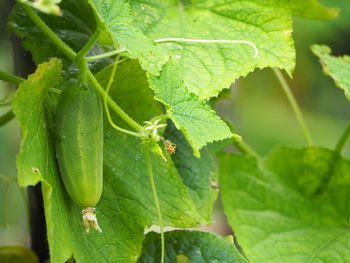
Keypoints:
pixel 110 82
pixel 149 165
pixel 11 78
pixel 105 55
pixel 88 45
pixel 343 138
pixel 245 148
pixel 294 105
pixel 63 47
pixel 8 116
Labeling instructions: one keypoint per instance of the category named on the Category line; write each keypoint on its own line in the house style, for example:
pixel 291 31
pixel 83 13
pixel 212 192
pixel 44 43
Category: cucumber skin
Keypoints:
pixel 79 143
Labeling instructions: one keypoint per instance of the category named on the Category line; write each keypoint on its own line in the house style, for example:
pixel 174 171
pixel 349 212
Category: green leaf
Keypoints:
pixel 338 68
pixel 313 9
pixel 46 6
pixel 190 246
pixel 210 68
pixel 198 122
pixel 293 206
pixel 74 27
pixel 27 105
pixel 200 175
pixel 127 206
pixel 115 17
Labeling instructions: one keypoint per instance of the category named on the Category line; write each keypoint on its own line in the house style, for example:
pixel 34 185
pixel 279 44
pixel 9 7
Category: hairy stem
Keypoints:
pixel 11 78
pixel 156 201
pixel 343 138
pixel 8 116
pixel 244 148
pixel 105 55
pixel 294 105
pixel 88 45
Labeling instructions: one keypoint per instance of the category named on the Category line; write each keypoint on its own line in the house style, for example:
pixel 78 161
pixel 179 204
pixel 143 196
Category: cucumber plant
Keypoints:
pixel 119 119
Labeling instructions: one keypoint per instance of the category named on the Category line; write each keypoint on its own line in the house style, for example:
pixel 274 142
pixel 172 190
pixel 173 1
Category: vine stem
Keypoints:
pixel 13 79
pixel 105 55
pixel 110 82
pixel 8 116
pixel 244 148
pixel 65 49
pixel 149 165
pixel 294 105
pixel 222 41
pixel 81 54
pixel 343 138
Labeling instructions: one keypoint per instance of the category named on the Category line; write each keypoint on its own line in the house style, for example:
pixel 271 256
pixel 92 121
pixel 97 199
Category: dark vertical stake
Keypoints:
pixel 24 66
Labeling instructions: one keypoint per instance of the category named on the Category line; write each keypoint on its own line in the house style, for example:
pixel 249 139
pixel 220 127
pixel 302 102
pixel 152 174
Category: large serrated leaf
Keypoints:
pixel 190 246
pixel 291 207
pixel 338 68
pixel 198 122
pixel 209 68
pixel 126 207
pixel 115 17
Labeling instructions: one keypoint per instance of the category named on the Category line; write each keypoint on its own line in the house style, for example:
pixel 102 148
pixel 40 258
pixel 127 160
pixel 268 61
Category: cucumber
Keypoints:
pixel 79 147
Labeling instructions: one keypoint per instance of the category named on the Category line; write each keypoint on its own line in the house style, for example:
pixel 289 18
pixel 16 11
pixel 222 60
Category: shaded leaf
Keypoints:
pixel 190 246
pixel 200 175
pixel 291 207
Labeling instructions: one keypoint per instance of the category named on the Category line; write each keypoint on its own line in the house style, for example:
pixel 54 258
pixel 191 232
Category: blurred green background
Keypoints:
pixel 258 108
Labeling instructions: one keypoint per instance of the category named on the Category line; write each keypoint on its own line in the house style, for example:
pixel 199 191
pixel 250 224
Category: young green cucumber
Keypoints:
pixel 79 147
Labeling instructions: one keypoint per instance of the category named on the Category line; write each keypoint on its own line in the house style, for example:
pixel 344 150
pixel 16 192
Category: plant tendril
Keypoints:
pixel 165 40
pixel 110 82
